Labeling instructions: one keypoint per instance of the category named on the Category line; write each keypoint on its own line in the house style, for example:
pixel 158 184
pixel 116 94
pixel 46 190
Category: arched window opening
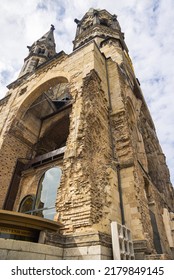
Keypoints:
pixel 41 51
pixel 27 204
pixel 47 192
pixel 104 22
pixel 50 115
pixel 44 204
pixel 49 101
pixel 55 137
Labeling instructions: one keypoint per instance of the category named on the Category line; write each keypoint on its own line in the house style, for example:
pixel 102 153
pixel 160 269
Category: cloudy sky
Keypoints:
pixel 149 33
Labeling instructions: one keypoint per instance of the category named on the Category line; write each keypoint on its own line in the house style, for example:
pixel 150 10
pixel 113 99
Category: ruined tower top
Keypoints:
pixel 98 25
pixel 46 42
pixel 39 52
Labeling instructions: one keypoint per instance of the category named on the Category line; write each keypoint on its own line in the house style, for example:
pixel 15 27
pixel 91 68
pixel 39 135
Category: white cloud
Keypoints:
pixel 149 32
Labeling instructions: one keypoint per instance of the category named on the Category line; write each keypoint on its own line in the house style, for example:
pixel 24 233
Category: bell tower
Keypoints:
pixel 98 25
pixel 40 51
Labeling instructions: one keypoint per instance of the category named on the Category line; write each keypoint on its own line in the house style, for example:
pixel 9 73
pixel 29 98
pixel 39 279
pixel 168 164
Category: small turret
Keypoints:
pixel 40 51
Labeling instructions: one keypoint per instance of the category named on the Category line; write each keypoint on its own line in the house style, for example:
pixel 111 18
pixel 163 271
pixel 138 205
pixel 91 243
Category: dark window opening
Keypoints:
pixel 104 22
pixel 41 51
pixel 55 136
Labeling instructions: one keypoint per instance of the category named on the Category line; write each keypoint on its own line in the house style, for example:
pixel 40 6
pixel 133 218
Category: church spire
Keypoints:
pixel 39 52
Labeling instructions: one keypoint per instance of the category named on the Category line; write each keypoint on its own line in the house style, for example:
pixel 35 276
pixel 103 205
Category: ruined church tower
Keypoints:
pixel 82 172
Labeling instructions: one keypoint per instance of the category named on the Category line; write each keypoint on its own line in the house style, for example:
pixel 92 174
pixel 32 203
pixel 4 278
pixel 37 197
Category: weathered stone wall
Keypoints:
pixel 85 195
pixel 22 250
pixel 123 149
pixel 157 168
pixel 11 150
pixel 131 142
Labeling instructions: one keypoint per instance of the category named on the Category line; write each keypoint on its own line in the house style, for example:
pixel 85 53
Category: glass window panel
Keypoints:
pixel 47 192
pixel 27 204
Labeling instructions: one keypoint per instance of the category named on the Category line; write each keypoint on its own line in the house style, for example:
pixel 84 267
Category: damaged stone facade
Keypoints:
pixel 85 113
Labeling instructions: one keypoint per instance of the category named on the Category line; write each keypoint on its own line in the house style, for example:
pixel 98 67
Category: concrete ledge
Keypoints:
pixel 11 218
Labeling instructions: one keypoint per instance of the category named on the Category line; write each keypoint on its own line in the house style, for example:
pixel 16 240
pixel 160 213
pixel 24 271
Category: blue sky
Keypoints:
pixel 149 33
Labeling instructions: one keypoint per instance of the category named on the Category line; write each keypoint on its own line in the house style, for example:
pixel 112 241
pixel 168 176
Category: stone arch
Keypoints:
pixel 23 137
pixel 33 94
pixel 137 139
pixel 43 101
